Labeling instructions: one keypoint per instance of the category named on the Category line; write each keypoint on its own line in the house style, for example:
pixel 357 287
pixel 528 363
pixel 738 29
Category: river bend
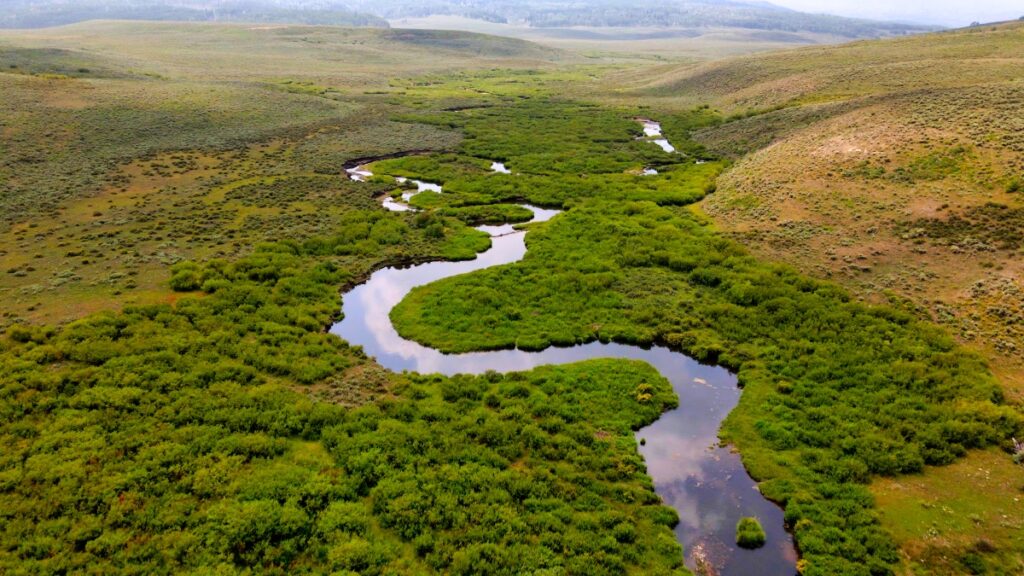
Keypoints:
pixel 704 482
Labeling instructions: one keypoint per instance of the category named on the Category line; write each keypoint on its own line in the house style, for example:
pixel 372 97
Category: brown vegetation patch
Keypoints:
pixel 357 386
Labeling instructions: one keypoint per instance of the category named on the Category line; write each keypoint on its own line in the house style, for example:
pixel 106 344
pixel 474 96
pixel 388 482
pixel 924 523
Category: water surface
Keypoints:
pixel 652 132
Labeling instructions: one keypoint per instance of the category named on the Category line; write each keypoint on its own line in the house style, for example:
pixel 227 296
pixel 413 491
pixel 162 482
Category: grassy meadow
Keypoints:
pixel 842 229
pixel 120 149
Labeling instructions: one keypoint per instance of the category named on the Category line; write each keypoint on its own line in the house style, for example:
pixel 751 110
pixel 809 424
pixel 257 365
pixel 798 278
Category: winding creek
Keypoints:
pixel 704 482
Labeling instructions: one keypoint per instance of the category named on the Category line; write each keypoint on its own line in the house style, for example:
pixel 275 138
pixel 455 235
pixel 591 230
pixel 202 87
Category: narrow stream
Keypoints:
pixel 704 482
pixel 652 132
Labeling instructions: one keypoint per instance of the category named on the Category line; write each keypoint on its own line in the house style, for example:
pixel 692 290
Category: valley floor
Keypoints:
pixel 174 234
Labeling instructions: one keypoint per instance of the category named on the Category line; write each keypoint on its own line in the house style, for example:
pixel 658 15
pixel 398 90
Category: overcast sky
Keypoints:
pixel 947 12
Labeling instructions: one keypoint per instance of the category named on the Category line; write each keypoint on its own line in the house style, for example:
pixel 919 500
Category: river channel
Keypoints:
pixel 704 482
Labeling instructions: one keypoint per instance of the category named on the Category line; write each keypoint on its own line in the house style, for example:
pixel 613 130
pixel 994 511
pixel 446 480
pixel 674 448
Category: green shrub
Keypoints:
pixel 20 333
pixel 185 281
pixel 749 533
pixel 974 563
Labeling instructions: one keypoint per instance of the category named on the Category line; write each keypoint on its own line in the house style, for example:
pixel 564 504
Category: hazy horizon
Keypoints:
pixel 943 12
pixel 540 13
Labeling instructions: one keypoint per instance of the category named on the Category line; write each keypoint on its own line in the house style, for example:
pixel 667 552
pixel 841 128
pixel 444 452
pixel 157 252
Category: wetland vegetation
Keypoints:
pixel 749 533
pixel 835 392
pixel 171 401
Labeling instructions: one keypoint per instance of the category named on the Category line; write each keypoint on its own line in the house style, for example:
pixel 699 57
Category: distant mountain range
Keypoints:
pixel 536 13
pixel 638 13
pixel 44 13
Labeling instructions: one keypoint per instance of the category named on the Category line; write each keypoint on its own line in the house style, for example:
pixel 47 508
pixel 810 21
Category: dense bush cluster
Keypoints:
pixel 488 213
pixel 749 533
pixel 161 459
pixel 175 438
pixel 524 473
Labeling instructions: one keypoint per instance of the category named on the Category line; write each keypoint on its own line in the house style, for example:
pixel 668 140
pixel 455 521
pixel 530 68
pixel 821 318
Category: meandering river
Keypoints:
pixel 704 482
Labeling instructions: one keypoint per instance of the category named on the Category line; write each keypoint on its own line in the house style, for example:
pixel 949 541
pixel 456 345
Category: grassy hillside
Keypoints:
pixel 346 57
pixel 895 168
pixel 957 58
